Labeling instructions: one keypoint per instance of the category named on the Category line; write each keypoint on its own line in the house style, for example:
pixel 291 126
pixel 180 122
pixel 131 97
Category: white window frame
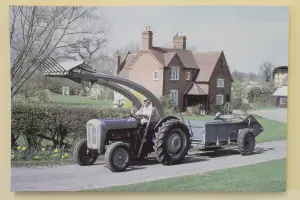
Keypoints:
pixel 188 76
pixel 155 78
pixel 174 73
pixel 220 82
pixel 174 95
pixel 222 99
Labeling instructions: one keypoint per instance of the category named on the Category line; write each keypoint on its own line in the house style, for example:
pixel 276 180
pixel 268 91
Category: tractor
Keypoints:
pixel 169 137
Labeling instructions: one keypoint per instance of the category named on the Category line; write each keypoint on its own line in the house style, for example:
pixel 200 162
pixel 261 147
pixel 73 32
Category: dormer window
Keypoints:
pixel 174 73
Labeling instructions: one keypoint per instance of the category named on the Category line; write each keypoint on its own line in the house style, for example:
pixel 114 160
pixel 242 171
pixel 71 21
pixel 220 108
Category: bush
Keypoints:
pixel 168 104
pixel 59 124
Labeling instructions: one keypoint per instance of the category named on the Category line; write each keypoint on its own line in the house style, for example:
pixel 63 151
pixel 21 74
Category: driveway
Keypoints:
pixel 74 177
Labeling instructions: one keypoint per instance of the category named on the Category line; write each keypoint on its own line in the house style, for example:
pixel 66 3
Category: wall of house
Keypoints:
pixel 220 72
pixel 142 73
pixel 181 85
pixel 278 78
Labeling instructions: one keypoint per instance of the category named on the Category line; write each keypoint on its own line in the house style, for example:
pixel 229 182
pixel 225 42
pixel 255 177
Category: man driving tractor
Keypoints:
pixel 146 110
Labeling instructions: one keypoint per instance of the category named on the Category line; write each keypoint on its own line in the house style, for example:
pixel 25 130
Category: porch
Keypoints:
pixel 196 95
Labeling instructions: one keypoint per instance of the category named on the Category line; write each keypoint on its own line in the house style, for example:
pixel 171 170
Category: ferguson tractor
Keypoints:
pixel 124 140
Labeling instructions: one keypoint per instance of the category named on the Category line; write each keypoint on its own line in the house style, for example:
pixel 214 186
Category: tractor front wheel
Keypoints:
pixel 81 156
pixel 117 157
pixel 172 142
pixel 246 142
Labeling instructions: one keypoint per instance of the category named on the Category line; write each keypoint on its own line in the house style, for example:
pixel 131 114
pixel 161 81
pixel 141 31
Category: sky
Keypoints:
pixel 248 35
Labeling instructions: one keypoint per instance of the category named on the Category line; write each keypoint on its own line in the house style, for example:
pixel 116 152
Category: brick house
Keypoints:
pixel 191 78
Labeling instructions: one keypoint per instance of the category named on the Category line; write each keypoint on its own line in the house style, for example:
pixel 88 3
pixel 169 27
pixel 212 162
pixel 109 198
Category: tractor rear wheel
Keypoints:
pixel 172 142
pixel 246 141
pixel 81 156
pixel 117 157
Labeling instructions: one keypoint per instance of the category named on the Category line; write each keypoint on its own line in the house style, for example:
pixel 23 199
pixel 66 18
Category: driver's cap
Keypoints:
pixel 145 99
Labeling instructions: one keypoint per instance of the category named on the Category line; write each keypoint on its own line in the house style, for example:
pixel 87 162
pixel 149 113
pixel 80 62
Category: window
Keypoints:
pixel 187 76
pixel 174 96
pixel 220 82
pixel 155 75
pixel 174 73
pixel 219 99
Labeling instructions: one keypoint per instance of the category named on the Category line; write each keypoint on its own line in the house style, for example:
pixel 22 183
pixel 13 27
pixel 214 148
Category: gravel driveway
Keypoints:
pixel 74 177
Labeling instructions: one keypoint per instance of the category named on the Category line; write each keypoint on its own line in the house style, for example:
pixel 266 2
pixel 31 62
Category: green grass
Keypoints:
pixel 78 100
pixel 263 177
pixel 273 130
pixel 73 100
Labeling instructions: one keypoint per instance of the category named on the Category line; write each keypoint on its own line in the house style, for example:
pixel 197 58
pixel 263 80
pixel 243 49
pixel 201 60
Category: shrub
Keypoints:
pixel 168 104
pixel 59 124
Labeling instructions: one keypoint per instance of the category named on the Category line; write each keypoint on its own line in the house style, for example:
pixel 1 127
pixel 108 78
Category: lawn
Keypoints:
pixel 74 100
pixel 273 130
pixel 263 177
pixel 78 100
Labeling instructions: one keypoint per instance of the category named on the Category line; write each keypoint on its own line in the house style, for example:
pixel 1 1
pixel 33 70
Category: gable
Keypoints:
pixel 157 58
pixel 220 69
pixel 207 62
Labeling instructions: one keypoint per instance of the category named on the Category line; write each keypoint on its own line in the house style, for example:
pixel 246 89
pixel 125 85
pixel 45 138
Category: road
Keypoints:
pixel 74 177
pixel 279 114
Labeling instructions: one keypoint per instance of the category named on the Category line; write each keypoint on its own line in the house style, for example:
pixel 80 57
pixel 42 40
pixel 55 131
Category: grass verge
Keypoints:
pixel 263 177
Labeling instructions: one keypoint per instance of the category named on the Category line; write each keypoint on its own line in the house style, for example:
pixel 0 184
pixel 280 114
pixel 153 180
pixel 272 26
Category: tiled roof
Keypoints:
pixel 125 63
pixel 197 89
pixel 185 56
pixel 207 62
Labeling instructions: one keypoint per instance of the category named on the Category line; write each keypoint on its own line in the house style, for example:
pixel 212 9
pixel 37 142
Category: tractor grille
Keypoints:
pixel 91 133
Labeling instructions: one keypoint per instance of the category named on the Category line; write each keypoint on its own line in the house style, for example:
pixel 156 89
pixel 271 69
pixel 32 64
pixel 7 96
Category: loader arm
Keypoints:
pixel 79 71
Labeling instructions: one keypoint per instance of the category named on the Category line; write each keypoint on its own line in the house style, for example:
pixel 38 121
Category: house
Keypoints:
pixel 279 73
pixel 191 78
pixel 280 96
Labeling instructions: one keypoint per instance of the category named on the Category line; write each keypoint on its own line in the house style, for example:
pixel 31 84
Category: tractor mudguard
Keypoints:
pixel 164 120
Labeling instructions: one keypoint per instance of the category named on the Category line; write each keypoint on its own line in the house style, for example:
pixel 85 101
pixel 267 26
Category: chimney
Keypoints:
pixel 117 63
pixel 147 39
pixel 179 41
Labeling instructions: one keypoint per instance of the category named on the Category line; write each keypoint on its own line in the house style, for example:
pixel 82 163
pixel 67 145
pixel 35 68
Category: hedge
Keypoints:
pixel 54 122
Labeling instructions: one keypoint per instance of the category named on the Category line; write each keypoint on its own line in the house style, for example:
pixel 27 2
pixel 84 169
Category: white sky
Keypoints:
pixel 248 35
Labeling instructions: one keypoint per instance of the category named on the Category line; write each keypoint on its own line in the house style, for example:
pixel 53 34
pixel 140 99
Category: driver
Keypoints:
pixel 145 111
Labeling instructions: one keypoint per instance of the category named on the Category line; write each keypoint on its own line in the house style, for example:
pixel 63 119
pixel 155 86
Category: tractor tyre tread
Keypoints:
pixel 241 141
pixel 160 144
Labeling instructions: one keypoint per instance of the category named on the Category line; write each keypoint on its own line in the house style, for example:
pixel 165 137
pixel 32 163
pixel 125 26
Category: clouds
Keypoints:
pixel 248 35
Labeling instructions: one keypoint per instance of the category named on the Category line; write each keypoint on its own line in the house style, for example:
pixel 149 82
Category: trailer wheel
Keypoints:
pixel 80 154
pixel 246 141
pixel 117 157
pixel 172 142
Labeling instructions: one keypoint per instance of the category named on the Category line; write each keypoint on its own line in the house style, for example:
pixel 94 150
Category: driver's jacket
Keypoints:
pixel 145 112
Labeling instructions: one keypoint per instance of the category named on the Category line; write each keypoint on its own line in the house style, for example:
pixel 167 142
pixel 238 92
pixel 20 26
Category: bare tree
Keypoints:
pixel 40 32
pixel 266 69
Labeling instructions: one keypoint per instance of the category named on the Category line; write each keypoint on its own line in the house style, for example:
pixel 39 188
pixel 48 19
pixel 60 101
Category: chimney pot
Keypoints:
pixel 179 41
